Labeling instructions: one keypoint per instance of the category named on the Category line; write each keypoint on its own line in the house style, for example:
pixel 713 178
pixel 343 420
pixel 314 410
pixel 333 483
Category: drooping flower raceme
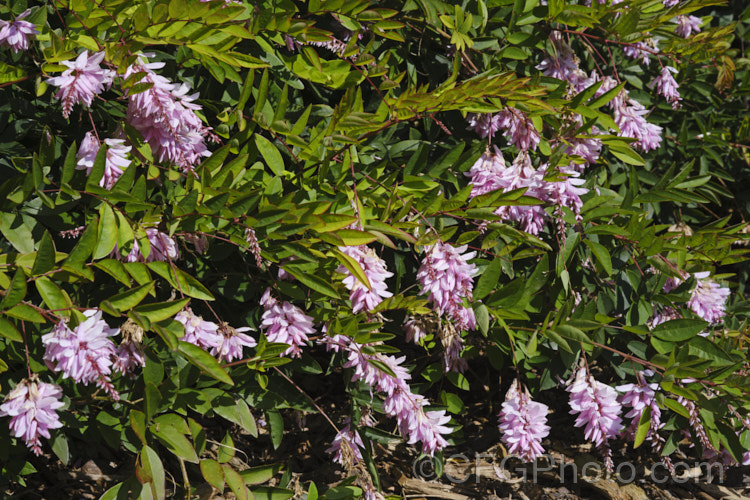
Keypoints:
pixel 414 423
pixel 523 424
pixel 83 79
pixel 639 50
pixel 518 128
pixel 165 116
pixel 483 124
pixel 351 440
pixel 597 408
pixel 116 161
pixel 17 33
pixel 364 299
pixel 449 279
pixel 638 397
pixel 708 299
pixel 85 353
pixel 204 334
pixel 285 323
pixel 667 86
pixel 687 25
pixel 31 406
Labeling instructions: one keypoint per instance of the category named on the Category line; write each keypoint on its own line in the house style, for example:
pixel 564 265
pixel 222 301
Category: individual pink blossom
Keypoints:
pixel 85 353
pixel 670 3
pixel 687 25
pixel 667 86
pixel 115 163
pixel 31 406
pixel 83 79
pixel 17 33
pixel 518 128
pixel 708 299
pixel 449 279
pixel 523 424
pixel 363 298
pixel 163 248
pixel 231 342
pixel 285 323
pixel 204 334
pixel 597 408
pixel 165 116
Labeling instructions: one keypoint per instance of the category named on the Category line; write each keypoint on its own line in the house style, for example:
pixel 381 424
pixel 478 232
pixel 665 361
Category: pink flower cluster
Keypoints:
pixel 517 127
pixel 362 297
pixel 16 34
pixel 31 406
pixel 491 173
pixel 414 423
pixel 449 279
pixel 640 50
pixel 638 397
pixel 523 423
pixel 84 354
pixel 707 300
pixel 285 323
pixel 115 163
pixel 163 248
pixel 165 116
pixel 629 116
pixel 222 340
pixel 83 79
pixel 598 410
pixel 667 86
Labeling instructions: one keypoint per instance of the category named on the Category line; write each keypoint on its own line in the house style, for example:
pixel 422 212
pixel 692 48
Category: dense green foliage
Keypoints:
pixel 368 144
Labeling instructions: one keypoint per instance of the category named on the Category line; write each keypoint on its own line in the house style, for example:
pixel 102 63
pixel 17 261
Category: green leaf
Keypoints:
pixel 483 317
pixel 81 252
pixel 275 427
pixel 138 424
pixel 97 171
pixel 353 267
pixel 354 237
pixel 644 425
pixel 270 154
pixel 16 290
pixel 45 256
pixel 259 475
pixel 235 482
pixel 273 493
pixel 175 441
pixel 488 279
pixel 25 313
pixel 159 311
pixel 107 232
pixel 313 282
pixel 204 361
pixel 150 472
pixel 131 298
pixel 9 330
pixel 677 330
pixel 601 255
pixel 52 295
pixel 213 473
